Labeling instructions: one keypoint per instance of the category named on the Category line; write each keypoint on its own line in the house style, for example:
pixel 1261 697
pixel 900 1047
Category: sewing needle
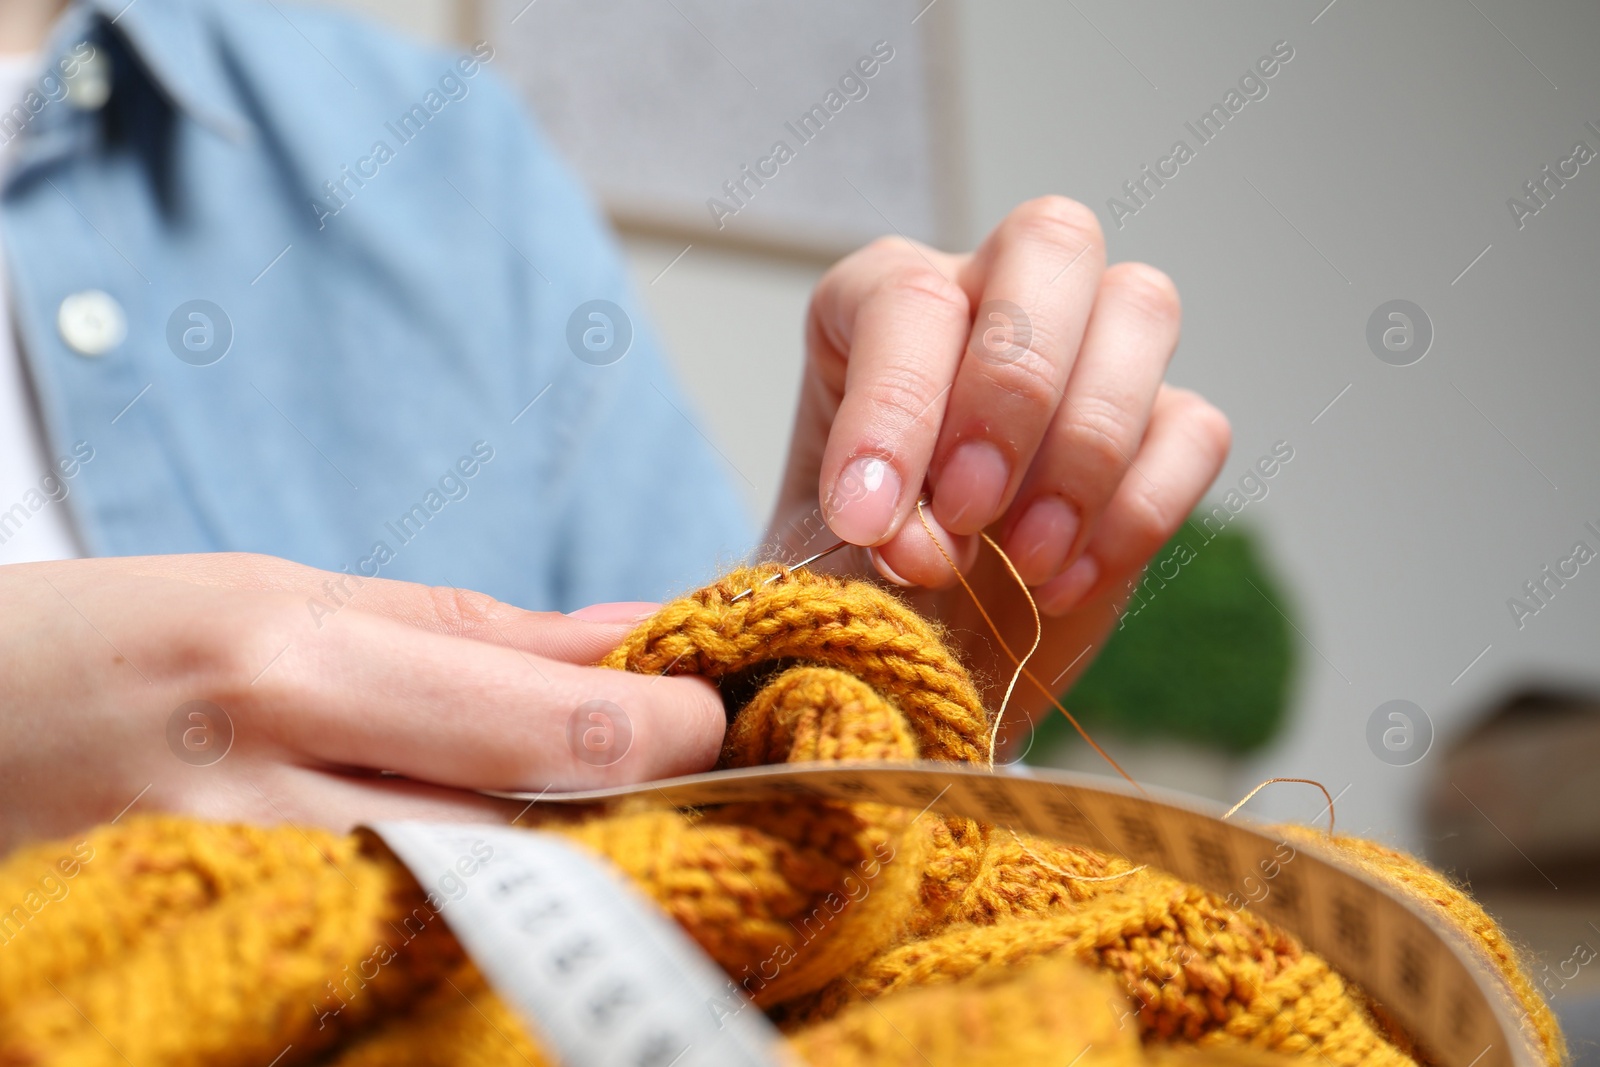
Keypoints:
pixel 803 563
pixel 922 501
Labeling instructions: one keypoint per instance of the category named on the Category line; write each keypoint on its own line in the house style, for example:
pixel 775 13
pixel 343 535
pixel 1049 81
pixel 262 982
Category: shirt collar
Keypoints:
pixel 174 41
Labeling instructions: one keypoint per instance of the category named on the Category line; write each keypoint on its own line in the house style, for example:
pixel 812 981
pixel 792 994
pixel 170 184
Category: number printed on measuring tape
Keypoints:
pixel 603 976
pixel 1425 974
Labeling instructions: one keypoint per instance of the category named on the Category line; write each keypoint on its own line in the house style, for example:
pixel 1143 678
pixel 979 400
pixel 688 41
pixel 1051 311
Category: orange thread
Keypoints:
pixel 1301 781
pixel 1038 624
pixel 1021 663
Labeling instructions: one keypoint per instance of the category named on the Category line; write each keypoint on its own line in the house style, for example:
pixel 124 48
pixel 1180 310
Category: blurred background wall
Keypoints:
pixel 1434 480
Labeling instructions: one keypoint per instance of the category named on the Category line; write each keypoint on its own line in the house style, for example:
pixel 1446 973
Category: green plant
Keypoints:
pixel 1201 653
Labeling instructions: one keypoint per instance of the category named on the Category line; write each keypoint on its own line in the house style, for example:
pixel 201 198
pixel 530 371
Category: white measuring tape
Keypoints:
pixel 1425 974
pixel 606 979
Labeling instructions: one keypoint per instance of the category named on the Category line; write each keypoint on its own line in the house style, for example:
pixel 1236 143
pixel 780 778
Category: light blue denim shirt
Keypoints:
pixel 399 278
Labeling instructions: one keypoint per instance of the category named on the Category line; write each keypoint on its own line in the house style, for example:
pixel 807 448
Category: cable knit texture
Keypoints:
pixel 870 933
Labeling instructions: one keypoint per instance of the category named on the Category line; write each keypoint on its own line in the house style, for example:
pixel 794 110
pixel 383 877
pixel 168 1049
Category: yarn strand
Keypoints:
pixel 1068 875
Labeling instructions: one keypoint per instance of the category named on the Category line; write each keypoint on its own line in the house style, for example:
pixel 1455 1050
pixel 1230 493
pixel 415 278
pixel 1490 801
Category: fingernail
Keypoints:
pixel 888 572
pixel 1061 595
pixel 971 487
pixel 1042 538
pixel 619 611
pixel 864 500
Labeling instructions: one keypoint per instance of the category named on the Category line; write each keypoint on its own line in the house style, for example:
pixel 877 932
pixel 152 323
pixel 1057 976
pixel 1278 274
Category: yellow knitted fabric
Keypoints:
pixel 870 934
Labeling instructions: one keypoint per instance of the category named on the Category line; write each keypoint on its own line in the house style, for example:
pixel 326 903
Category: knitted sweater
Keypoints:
pixel 871 934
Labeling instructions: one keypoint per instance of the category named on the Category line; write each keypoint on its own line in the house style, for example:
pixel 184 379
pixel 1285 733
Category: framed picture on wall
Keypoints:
pixel 809 127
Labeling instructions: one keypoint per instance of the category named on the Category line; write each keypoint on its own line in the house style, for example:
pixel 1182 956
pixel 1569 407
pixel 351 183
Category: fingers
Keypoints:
pixel 576 638
pixel 375 693
pixel 887 329
pixel 913 558
pixel 1183 450
pixel 365 692
pixel 1030 316
pixel 1023 377
pixel 1097 428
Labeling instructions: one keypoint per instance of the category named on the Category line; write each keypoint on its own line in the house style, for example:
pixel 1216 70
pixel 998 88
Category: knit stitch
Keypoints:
pixel 871 934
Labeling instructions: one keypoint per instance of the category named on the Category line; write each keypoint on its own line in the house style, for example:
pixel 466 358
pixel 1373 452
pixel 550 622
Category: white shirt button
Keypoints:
pixel 91 322
pixel 90 86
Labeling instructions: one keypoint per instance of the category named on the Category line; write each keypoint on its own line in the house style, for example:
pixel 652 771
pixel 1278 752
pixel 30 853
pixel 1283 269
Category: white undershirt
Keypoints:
pixel 33 526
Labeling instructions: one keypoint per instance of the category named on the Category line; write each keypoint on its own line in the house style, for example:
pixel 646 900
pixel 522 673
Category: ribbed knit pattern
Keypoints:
pixel 870 933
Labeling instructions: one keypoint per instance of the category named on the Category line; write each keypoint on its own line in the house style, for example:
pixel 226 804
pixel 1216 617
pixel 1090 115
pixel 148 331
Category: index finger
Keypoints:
pixel 379 694
pixel 889 325
pixel 439 609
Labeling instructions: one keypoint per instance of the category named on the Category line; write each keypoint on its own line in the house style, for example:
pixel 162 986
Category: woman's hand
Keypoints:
pixel 1021 385
pixel 247 687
